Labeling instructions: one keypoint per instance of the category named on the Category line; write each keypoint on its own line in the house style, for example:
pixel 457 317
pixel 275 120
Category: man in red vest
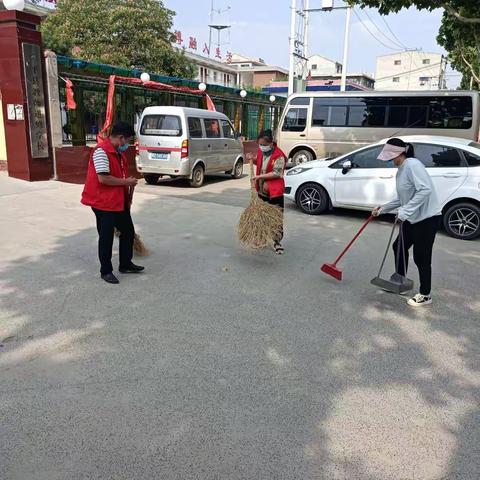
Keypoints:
pixel 107 191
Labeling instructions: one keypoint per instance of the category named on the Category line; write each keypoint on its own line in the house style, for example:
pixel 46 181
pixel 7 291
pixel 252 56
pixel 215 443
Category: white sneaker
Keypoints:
pixel 420 300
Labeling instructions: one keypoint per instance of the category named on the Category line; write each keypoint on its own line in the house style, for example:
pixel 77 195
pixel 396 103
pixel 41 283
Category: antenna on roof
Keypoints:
pixel 217 25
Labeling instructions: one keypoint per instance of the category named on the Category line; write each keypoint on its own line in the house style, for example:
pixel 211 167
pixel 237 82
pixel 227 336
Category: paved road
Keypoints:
pixel 222 364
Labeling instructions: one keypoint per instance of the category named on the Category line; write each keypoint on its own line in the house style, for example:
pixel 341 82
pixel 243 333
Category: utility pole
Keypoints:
pixel 291 72
pixel 441 74
pixel 298 43
pixel 343 85
pixel 210 31
pixel 306 6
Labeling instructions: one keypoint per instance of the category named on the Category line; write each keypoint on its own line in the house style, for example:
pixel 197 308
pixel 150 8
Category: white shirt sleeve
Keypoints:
pixel 100 161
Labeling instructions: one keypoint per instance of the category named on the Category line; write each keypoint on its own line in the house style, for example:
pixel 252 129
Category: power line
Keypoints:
pixel 407 72
pixel 373 35
pixel 380 31
pixel 392 32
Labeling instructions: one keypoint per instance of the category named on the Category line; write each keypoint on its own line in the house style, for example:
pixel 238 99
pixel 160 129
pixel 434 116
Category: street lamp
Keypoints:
pixel 145 77
pixel 272 101
pixel 202 86
pixel 14 4
pixel 243 95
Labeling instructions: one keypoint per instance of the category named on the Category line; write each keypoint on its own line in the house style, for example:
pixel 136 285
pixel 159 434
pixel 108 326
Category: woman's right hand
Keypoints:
pixel 250 157
pixel 377 211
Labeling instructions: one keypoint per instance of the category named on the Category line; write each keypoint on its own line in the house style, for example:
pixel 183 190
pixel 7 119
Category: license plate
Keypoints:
pixel 160 156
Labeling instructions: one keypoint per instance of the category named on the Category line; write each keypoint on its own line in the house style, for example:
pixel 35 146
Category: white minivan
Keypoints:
pixel 188 143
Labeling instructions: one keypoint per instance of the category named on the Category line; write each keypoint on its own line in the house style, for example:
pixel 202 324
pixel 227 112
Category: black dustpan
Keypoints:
pixel 396 283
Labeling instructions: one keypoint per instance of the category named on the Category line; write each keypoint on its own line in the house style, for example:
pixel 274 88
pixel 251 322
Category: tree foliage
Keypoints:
pixel 124 33
pixel 462 42
pixel 459 32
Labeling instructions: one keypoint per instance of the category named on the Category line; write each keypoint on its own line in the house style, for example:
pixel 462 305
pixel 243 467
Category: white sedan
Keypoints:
pixel 358 180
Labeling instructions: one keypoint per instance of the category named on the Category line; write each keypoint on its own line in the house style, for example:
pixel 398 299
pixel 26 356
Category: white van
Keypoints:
pixel 188 143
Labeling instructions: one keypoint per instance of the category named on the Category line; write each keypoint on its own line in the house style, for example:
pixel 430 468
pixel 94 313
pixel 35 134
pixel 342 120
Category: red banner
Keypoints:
pixel 110 109
pixel 150 85
pixel 71 105
pixel 210 104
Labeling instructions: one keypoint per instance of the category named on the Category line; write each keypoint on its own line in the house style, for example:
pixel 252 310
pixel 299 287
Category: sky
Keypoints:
pixel 261 28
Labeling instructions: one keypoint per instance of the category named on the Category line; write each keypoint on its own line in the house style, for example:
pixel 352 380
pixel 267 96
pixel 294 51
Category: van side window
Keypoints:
pixel 295 120
pixel 212 128
pixel 195 127
pixel 228 131
pixel 393 112
pixel 300 101
pixel 161 125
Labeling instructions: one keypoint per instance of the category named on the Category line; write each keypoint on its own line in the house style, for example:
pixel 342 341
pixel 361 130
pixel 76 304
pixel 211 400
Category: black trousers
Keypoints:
pixel 279 202
pixel 106 224
pixel 421 236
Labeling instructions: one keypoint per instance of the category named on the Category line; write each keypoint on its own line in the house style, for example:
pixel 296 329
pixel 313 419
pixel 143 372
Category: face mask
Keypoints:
pixel 123 148
pixel 265 148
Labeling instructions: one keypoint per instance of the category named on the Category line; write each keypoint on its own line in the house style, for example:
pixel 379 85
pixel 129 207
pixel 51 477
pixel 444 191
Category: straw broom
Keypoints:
pixel 138 246
pixel 260 223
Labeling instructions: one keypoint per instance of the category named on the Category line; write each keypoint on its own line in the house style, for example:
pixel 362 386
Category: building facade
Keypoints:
pixel 319 85
pixel 410 70
pixel 329 72
pixel 319 66
pixel 254 72
pixel 214 72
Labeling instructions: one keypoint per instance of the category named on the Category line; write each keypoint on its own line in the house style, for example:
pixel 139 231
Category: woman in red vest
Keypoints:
pixel 107 192
pixel 268 180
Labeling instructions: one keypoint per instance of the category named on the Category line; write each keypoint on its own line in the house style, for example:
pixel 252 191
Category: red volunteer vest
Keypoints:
pixel 105 197
pixel 276 186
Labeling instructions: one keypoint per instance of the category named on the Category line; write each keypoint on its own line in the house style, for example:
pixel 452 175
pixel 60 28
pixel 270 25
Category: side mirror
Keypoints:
pixel 347 166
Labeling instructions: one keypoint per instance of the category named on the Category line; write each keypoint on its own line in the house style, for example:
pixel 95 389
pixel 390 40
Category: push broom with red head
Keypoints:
pixel 331 268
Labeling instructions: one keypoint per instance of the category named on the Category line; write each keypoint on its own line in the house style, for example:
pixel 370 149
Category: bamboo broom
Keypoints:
pixel 138 246
pixel 260 223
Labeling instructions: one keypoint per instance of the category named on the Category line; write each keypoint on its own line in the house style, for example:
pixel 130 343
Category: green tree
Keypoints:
pixel 125 33
pixel 459 32
pixel 462 42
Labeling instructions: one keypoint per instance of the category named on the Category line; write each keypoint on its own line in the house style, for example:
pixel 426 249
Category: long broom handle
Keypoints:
pixel 252 173
pixel 387 250
pixel 401 250
pixel 345 250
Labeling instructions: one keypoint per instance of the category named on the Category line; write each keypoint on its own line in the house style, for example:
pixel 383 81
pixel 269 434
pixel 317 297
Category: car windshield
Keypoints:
pixel 474 144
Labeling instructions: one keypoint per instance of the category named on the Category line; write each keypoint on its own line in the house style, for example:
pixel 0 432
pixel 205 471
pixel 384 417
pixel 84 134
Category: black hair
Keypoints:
pixel 122 129
pixel 266 134
pixel 397 142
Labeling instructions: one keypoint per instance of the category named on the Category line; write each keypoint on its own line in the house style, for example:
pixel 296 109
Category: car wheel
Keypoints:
pixel 237 169
pixel 151 179
pixel 462 221
pixel 312 199
pixel 302 156
pixel 198 176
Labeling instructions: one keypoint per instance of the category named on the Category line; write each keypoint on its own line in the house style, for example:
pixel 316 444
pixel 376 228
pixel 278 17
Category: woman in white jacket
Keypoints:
pixel 419 212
